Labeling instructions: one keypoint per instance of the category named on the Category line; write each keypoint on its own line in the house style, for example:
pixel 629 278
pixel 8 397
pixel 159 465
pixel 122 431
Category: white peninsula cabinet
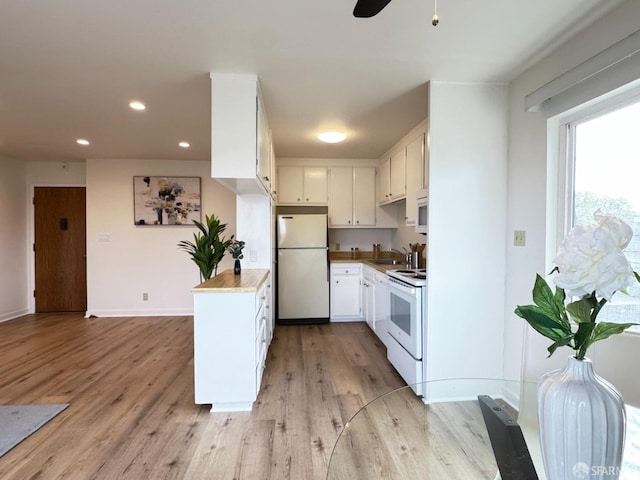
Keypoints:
pixel 231 335
pixel 346 300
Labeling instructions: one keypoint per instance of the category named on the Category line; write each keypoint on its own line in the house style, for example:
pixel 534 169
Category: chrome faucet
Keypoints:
pixel 405 254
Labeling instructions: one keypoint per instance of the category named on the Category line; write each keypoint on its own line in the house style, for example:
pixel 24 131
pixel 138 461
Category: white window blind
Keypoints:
pixel 612 70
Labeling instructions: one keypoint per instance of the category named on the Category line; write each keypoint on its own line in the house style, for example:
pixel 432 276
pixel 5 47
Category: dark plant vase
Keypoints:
pixel 236 266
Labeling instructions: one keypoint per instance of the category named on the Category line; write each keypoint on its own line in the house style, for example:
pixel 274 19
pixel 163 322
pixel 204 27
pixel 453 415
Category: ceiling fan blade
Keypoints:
pixel 369 8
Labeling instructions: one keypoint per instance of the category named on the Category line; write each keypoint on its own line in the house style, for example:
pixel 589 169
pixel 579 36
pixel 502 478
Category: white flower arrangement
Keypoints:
pixel 590 264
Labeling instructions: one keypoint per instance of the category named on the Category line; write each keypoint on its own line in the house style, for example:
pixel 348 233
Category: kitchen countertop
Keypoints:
pixel 249 280
pixel 366 258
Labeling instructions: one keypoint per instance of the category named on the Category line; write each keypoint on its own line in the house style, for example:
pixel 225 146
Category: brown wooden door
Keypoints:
pixel 60 249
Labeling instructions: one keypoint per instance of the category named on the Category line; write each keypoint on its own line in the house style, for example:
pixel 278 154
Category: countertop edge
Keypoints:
pixel 248 281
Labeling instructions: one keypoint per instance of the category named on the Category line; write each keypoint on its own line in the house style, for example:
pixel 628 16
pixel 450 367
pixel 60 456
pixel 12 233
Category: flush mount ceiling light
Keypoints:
pixel 136 105
pixel 332 136
pixel 82 141
pixel 184 144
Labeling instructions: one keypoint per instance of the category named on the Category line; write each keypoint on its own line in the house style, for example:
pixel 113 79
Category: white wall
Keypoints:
pixel 140 259
pixel 529 204
pixel 253 219
pixel 13 239
pixel 466 239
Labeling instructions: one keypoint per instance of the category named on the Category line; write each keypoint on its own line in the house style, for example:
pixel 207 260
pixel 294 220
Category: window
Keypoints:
pixel 605 151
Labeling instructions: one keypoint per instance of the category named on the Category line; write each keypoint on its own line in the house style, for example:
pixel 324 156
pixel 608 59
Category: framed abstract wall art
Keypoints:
pixel 166 200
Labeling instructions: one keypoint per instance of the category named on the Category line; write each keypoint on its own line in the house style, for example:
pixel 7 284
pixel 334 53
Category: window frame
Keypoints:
pixel 565 126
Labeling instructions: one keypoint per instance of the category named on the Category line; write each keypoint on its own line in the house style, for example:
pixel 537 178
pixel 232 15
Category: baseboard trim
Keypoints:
pixel 11 315
pixel 138 313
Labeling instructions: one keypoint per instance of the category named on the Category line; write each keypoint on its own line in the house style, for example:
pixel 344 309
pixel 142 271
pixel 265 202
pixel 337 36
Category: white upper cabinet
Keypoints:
pixel 341 197
pixel 364 196
pixel 352 197
pixel 384 172
pixel 240 140
pixel 414 175
pixel 302 185
pixel 264 146
pixel 403 171
pixel 397 176
pixel 391 178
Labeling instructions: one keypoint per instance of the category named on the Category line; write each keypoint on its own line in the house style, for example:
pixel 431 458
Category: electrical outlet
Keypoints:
pixel 145 297
pixel 253 255
pixel 337 247
pixel 519 238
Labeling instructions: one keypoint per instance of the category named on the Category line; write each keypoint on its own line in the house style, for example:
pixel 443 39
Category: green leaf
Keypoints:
pixel 562 342
pixel 580 310
pixel 542 323
pixel 606 329
pixel 552 305
pixel 583 338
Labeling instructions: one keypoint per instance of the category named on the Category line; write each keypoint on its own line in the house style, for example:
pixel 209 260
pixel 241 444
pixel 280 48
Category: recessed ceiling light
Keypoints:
pixel 136 105
pixel 184 144
pixel 82 141
pixel 332 136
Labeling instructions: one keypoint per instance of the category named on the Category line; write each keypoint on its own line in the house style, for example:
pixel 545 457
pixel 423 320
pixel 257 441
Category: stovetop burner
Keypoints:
pixel 415 276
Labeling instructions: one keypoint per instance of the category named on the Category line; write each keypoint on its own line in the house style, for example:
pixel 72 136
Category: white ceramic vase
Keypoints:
pixel 582 424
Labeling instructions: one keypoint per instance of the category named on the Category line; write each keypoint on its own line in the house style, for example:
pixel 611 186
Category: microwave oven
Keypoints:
pixel 422 213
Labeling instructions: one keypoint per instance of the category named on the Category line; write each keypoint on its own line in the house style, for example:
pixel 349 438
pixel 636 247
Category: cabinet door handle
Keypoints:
pixel 307 199
pixel 298 199
pixel 348 221
pixel 357 221
pixel 337 281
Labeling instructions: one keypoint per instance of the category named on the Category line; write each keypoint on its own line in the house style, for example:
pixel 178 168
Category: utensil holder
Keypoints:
pixel 416 259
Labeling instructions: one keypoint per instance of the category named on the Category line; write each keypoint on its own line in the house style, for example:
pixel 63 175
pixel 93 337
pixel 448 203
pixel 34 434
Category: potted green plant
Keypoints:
pixel 208 246
pixel 576 408
pixel 235 249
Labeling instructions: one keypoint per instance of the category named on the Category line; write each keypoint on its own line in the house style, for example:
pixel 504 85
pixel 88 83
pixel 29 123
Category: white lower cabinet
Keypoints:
pixel 346 301
pixel 381 308
pixel 368 295
pixel 231 337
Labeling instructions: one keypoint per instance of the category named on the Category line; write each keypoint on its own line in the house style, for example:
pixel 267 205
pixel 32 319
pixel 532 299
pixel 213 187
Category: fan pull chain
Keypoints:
pixel 435 19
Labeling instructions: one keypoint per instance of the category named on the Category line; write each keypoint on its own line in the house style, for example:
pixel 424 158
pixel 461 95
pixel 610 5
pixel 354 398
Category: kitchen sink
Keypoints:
pixel 389 261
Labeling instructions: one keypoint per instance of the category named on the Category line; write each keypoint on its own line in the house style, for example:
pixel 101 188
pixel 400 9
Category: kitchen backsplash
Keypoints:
pixel 363 239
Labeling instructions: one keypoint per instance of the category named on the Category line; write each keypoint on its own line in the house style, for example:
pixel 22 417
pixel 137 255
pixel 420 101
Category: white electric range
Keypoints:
pixel 416 277
pixel 407 324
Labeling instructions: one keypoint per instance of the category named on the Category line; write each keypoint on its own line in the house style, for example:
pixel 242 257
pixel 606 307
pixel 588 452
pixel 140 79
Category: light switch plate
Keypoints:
pixel 519 238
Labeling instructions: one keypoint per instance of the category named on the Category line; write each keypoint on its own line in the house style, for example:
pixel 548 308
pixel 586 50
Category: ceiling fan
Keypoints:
pixel 370 8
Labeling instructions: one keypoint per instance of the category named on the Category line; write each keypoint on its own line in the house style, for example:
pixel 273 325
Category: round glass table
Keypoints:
pixel 463 429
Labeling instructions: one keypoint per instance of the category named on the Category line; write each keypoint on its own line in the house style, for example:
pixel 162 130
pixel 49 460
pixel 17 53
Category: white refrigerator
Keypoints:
pixel 303 268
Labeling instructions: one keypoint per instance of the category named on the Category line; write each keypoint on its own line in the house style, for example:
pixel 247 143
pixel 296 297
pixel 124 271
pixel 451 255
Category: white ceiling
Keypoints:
pixel 68 68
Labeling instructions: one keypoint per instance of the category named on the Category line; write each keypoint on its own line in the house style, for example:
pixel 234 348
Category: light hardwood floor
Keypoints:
pixel 129 383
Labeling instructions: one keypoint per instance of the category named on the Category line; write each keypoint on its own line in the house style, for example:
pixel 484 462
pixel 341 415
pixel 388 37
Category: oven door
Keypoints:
pixel 405 319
